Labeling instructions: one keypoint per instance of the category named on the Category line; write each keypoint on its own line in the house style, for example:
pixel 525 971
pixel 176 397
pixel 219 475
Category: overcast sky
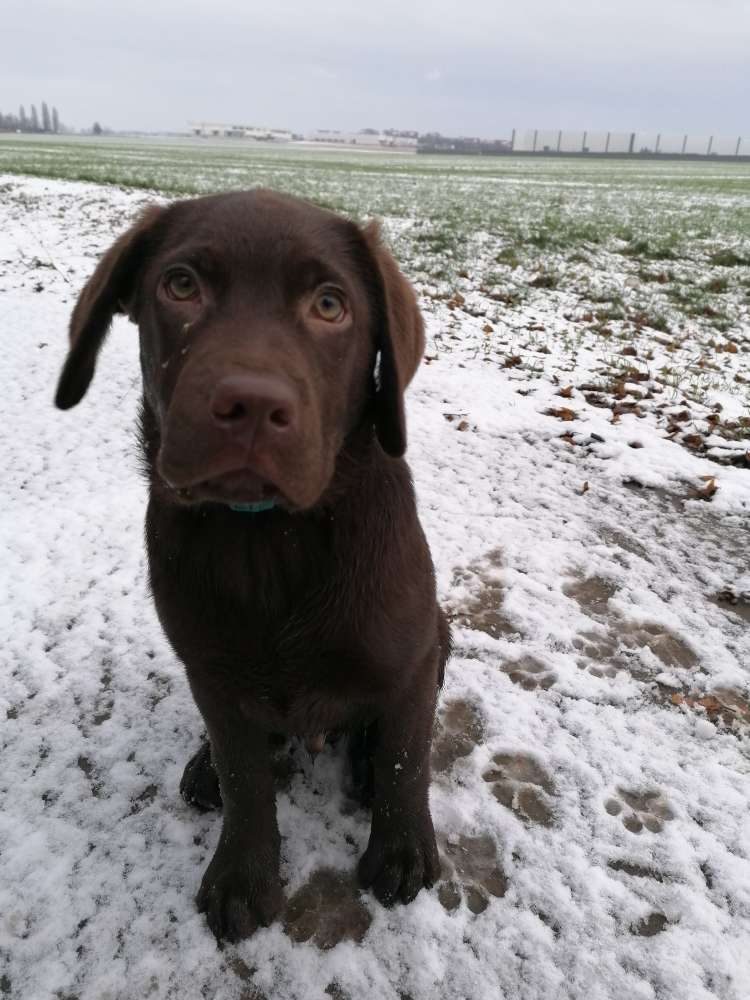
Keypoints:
pixel 475 67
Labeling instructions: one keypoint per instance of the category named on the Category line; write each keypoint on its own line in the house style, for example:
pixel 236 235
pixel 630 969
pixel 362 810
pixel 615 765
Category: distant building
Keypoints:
pixel 366 138
pixel 224 130
pixel 434 142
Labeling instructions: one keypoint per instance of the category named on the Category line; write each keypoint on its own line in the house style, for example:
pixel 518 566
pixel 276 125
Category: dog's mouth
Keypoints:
pixel 232 475
pixel 237 486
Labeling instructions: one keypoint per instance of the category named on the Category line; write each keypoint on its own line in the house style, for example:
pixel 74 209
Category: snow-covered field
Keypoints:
pixel 588 513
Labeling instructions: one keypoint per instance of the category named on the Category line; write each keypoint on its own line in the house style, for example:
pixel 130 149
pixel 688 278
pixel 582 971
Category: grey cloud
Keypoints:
pixel 476 67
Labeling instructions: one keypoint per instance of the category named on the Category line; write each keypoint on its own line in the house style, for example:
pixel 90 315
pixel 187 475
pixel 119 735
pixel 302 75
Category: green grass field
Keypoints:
pixel 660 209
pixel 584 254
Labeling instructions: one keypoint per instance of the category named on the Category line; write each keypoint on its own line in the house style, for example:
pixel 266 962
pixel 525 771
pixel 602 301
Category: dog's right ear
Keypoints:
pixel 108 291
pixel 400 342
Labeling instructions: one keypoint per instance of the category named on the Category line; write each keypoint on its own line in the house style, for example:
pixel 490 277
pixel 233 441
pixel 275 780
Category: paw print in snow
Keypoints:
pixel 326 910
pixel 639 809
pixel 529 673
pixel 459 729
pixel 474 873
pixel 521 784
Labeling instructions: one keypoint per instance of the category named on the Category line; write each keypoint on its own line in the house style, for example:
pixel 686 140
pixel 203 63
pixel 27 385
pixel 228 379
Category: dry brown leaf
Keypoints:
pixel 566 393
pixel 708 490
pixel 723 705
pixel 562 413
pixel 693 441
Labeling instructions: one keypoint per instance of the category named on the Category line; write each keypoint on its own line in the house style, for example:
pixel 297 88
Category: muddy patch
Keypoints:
pixel 105 700
pixel 665 646
pixel 734 603
pixel 620 646
pixel 592 594
pixel 669 502
pixel 246 973
pixel 482 610
pixel 650 926
pixel 634 869
pixel 617 539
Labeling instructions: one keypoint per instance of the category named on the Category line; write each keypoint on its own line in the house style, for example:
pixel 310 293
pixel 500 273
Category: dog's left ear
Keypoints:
pixel 400 341
pixel 108 291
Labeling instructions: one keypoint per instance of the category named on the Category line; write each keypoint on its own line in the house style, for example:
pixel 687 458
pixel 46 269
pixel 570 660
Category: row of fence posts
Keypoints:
pixel 631 147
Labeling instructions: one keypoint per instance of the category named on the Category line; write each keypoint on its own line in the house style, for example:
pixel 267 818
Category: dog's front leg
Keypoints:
pixel 402 855
pixel 241 888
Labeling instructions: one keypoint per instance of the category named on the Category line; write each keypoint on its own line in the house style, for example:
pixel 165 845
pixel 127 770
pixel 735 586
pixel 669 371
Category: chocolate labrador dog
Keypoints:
pixel 288 566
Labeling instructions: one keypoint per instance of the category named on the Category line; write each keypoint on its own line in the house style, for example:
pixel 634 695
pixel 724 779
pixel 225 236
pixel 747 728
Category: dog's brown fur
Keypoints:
pixel 320 614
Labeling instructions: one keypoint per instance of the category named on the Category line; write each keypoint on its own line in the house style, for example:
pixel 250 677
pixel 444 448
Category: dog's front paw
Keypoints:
pixel 200 782
pixel 399 861
pixel 238 897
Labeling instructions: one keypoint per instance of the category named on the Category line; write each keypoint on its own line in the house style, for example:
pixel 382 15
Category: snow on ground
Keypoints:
pixel 591 772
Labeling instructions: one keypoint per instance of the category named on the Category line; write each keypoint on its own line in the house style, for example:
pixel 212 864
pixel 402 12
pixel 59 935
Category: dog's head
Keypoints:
pixel 270 331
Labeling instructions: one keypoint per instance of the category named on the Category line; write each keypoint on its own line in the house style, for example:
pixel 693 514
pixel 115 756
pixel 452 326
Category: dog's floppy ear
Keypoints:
pixel 400 343
pixel 107 292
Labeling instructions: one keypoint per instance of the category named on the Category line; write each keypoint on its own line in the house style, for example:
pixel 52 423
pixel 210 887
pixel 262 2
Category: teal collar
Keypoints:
pixel 253 508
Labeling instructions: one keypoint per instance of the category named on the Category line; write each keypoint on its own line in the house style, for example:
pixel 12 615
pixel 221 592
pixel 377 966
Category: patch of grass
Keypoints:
pixel 545 279
pixel 717 286
pixel 656 277
pixel 646 249
pixel 614 310
pixel 508 255
pixel 579 230
pixel 610 297
pixel 652 320
pixel 729 258
pixel 694 301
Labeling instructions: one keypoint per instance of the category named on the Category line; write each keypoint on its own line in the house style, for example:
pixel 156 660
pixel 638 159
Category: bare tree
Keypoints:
pixel 55 121
pixel 23 122
pixel 34 119
pixel 46 123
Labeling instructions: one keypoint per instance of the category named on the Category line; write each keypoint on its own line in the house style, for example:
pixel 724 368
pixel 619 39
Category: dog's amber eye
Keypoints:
pixel 329 306
pixel 180 285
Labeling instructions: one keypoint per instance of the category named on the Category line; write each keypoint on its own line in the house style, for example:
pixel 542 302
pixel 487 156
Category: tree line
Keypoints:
pixel 33 122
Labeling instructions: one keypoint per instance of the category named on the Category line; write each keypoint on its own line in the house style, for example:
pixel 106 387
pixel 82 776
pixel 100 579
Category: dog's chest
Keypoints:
pixel 266 613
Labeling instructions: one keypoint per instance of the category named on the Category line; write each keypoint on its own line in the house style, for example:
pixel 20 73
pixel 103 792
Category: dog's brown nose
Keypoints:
pixel 247 405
